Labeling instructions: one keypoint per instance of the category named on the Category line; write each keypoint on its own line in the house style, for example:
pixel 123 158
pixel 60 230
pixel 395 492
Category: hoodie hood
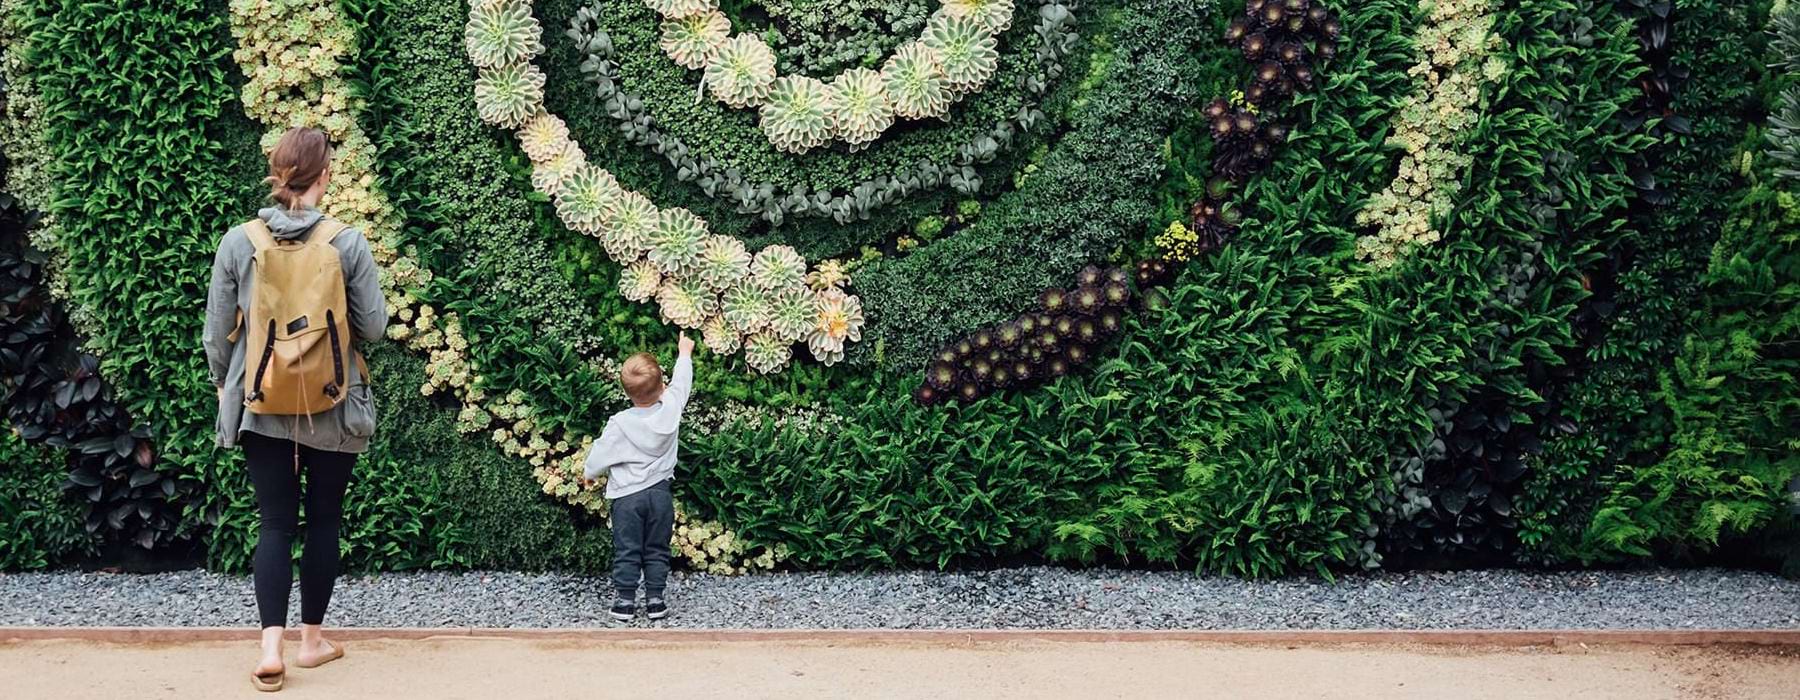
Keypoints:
pixel 286 225
pixel 647 434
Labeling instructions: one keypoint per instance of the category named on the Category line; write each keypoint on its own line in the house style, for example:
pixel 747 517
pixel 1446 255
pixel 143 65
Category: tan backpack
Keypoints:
pixel 298 328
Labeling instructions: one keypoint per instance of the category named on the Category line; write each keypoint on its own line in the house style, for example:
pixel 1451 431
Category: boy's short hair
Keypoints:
pixel 642 377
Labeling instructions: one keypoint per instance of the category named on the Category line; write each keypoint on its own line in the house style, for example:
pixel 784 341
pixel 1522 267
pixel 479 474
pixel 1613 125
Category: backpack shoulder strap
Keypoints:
pixel 327 230
pixel 260 235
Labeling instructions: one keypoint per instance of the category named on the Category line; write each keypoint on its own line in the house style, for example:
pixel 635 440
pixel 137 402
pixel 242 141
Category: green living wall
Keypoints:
pixel 1285 286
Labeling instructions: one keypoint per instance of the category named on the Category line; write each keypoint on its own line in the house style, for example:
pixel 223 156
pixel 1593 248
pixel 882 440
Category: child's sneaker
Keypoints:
pixel 623 610
pixel 656 609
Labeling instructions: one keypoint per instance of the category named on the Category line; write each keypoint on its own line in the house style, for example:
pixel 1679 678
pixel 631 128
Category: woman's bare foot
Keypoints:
pixel 271 670
pixel 315 651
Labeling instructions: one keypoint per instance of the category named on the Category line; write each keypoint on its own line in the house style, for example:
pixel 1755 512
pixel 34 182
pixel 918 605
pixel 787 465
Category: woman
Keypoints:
pixel 280 449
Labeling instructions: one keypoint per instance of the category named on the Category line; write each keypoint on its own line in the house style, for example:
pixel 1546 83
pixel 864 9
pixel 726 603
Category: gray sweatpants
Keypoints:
pixel 642 524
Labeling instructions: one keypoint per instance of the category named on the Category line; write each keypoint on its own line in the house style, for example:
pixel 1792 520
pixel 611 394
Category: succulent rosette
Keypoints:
pixel 996 15
pixel 860 109
pixel 793 312
pixel 746 308
pixel 741 71
pixel 681 8
pixel 767 353
pixel 915 82
pixel 829 274
pixel 720 337
pixel 640 281
pixel 543 137
pixel 724 262
pixel 839 320
pixel 675 242
pixel 968 50
pixel 626 227
pixel 585 197
pixel 691 40
pixel 686 302
pixel 797 116
pixel 509 95
pixel 547 176
pixel 501 33
pixel 778 267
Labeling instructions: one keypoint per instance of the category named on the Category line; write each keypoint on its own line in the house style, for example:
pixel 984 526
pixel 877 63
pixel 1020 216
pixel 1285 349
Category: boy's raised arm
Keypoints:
pixel 681 382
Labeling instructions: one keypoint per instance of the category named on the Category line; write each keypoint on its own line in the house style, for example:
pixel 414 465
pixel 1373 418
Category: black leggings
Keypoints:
pixel 278 496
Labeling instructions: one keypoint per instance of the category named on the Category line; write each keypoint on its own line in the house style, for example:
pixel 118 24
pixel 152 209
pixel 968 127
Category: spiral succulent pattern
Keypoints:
pixel 625 230
pixel 502 33
pixel 742 71
pixel 693 39
pixel 968 50
pixel 724 262
pixel 777 267
pixel 686 302
pixel 640 281
pixel 766 353
pixel 859 108
pixel 915 82
pixel 798 115
pixel 746 308
pixel 675 242
pixel 509 95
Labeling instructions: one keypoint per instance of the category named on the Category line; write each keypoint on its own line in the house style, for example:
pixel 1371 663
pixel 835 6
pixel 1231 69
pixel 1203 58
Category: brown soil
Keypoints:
pixel 514 669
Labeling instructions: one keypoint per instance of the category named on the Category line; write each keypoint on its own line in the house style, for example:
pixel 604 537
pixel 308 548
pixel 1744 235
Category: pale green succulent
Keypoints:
pixel 509 95
pixel 720 337
pixel 625 230
pixel 996 15
pixel 681 8
pixel 675 242
pixel 968 49
pixel 691 40
pixel 793 311
pixel 777 267
pixel 746 308
pixel 640 281
pixel 915 82
pixel 585 197
pixel 686 302
pixel 797 115
pixel 544 136
pixel 860 109
pixel 548 175
pixel 839 321
pixel 502 33
pixel 741 72
pixel 766 353
pixel 723 262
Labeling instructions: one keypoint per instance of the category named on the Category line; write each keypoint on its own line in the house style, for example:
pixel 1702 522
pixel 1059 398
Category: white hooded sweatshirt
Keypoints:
pixel 639 444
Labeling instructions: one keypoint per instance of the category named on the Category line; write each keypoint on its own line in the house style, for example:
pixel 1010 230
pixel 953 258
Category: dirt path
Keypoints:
pixel 519 670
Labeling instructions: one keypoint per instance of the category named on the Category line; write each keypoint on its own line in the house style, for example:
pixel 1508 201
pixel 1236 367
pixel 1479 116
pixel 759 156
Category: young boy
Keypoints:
pixel 639 448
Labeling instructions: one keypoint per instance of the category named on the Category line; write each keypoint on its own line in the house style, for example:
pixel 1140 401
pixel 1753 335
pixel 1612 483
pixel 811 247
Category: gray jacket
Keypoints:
pixel 640 445
pixel 336 430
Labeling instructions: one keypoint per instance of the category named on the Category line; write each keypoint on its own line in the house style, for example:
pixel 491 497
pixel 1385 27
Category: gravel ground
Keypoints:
pixel 1012 598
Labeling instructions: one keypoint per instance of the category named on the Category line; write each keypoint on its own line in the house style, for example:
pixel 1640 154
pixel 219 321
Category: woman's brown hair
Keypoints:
pixel 296 164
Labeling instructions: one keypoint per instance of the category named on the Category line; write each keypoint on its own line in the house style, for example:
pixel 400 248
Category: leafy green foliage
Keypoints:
pixel 43 524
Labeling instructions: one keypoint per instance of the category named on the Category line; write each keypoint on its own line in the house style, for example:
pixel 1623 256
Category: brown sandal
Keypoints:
pixel 337 652
pixel 270 683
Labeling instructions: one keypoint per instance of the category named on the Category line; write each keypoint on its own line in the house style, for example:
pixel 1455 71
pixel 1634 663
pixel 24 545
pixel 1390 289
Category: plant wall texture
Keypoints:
pixel 1245 287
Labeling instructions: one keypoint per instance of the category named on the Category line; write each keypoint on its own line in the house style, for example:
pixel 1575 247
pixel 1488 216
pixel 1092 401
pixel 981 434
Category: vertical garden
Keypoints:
pixel 1245 288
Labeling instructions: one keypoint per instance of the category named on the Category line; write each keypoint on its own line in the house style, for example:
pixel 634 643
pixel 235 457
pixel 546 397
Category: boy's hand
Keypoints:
pixel 685 344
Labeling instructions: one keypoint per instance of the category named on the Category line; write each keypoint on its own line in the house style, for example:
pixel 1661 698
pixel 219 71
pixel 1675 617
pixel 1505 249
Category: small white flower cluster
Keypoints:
pixel 760 305
pixel 1458 56
pixel 732 415
pixel 30 174
pixel 955 57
